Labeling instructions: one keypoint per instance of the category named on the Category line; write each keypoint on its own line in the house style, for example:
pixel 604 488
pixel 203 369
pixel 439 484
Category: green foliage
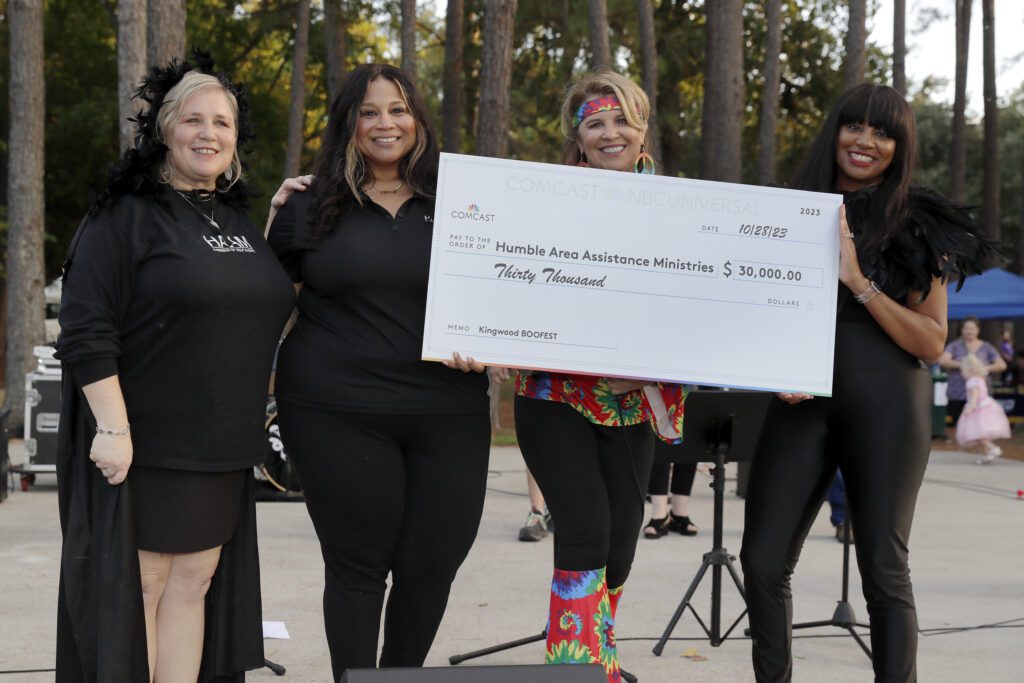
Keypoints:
pixel 253 40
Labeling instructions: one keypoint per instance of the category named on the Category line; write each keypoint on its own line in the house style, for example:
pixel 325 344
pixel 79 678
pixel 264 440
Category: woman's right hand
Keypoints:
pixel 793 398
pixel 112 454
pixel 289 187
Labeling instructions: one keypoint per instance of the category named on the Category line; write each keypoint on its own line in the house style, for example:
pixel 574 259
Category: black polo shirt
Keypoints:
pixel 356 345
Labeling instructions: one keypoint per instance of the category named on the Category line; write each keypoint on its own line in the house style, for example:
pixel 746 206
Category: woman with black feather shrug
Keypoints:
pixel 898 247
pixel 171 310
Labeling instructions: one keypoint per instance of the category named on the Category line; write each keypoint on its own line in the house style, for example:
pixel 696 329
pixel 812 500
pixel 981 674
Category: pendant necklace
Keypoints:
pixel 209 219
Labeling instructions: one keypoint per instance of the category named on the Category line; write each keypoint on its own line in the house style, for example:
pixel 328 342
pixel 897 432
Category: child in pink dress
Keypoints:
pixel 983 419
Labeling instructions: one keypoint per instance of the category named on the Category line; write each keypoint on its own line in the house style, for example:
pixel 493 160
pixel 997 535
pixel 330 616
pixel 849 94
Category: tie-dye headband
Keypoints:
pixel 595 106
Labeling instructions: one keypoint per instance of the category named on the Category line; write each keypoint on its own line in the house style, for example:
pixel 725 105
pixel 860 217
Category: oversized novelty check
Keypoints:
pixel 607 273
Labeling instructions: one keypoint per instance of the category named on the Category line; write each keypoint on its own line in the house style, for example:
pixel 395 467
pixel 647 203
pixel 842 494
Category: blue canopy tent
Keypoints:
pixel 995 293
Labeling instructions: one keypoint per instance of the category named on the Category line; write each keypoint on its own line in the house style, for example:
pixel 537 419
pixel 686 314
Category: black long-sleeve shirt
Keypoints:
pixel 357 344
pixel 187 316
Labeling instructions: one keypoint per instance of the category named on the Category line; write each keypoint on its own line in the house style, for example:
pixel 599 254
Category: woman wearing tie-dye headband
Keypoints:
pixel 586 439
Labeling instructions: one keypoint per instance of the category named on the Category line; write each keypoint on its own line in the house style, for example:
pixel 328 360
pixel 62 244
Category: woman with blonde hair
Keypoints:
pixel 171 309
pixel 588 440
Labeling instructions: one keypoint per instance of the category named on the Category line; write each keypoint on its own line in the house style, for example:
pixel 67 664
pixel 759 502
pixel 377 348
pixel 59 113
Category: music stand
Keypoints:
pixel 720 426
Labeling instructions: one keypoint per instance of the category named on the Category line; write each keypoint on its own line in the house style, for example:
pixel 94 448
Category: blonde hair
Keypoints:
pixel 192 83
pixel 972 366
pixel 356 172
pixel 636 108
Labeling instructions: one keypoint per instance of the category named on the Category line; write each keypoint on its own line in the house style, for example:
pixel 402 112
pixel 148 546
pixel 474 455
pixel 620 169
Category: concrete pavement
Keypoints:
pixel 967 562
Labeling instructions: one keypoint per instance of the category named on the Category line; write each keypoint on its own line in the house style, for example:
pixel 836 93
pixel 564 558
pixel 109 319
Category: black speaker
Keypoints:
pixel 570 673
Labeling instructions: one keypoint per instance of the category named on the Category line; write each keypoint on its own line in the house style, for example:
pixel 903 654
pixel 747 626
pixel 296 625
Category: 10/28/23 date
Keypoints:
pixel 766 231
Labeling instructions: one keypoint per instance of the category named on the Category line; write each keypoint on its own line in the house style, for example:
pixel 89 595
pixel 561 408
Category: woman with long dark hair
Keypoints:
pixel 382 442
pixel 589 440
pixel 899 245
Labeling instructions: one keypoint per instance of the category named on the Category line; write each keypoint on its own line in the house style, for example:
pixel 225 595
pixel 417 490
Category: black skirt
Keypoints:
pixel 183 511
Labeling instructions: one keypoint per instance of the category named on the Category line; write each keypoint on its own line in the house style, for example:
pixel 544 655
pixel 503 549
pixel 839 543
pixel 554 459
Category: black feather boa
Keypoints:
pixel 938 240
pixel 137 171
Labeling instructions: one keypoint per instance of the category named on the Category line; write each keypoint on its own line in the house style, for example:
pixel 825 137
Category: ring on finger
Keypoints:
pixel 848 234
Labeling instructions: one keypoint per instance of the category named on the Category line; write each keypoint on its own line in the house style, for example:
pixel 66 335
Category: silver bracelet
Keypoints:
pixel 114 432
pixel 868 294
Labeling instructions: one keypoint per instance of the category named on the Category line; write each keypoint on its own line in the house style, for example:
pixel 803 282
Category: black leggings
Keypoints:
pixel 593 479
pixel 877 429
pixel 679 483
pixel 375 486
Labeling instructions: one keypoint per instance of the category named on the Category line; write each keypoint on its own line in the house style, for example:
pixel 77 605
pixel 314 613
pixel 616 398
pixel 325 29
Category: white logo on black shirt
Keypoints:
pixel 428 219
pixel 229 244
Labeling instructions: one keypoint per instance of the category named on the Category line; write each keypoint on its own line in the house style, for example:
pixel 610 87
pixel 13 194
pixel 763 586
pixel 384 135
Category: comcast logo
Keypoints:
pixel 473 213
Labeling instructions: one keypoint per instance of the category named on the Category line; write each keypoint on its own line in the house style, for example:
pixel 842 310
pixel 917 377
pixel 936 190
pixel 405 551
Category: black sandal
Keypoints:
pixel 656 528
pixel 682 525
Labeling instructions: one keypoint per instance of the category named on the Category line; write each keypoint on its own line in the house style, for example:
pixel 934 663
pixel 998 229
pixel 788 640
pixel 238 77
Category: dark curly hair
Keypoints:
pixel 138 170
pixel 341 170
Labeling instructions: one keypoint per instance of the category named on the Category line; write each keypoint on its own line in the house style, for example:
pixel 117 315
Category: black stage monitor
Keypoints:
pixel 541 673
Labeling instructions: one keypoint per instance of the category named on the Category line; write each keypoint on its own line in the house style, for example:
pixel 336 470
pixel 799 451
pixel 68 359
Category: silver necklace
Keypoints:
pixel 209 219
pixel 374 196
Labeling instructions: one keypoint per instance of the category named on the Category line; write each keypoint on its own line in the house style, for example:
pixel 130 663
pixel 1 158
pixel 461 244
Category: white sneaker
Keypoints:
pixel 990 456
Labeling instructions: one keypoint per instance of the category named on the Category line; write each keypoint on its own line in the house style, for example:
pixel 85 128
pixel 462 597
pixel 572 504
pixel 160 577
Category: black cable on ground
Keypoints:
pixel 497 474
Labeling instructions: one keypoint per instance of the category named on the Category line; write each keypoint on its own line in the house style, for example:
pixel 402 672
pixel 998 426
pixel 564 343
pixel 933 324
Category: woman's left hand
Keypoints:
pixel 289 187
pixel 624 386
pixel 850 273
pixel 465 364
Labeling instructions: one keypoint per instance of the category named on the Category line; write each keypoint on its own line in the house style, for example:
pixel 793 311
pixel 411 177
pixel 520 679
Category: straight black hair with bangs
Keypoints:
pixel 333 194
pixel 879 106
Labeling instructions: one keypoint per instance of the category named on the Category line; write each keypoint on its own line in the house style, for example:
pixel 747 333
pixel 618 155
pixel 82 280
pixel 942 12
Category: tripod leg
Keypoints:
pixel 458 659
pixel 681 608
pixel 856 636
pixel 736 578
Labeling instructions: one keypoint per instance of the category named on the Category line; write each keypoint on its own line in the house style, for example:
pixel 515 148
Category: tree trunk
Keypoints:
pixel 856 37
pixel 899 46
pixel 722 119
pixel 649 66
pixel 297 109
pixel 496 78
pixel 25 206
pixel 770 93
pixel 131 63
pixel 991 145
pixel 336 37
pixel 569 48
pixel 409 38
pixel 597 14
pixel 165 31
pixel 451 113
pixel 958 146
